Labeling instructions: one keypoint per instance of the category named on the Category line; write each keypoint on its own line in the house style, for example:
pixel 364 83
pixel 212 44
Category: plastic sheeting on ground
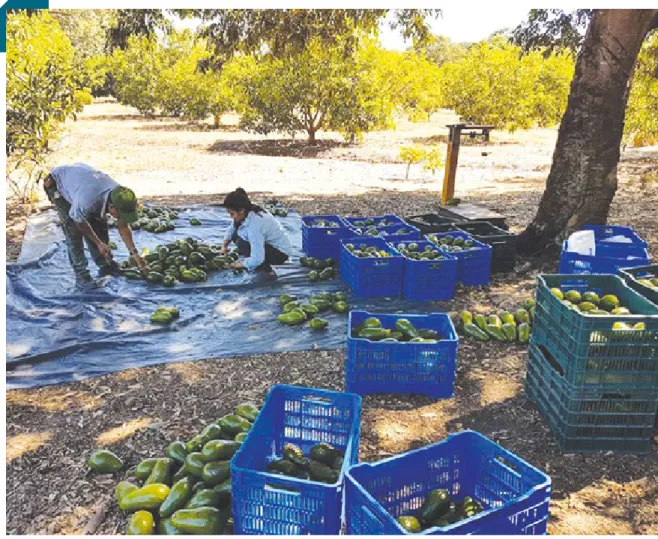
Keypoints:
pixel 58 333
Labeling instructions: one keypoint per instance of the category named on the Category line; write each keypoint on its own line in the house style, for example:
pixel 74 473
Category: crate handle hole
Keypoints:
pixel 323 401
pixel 509 465
pixel 551 360
pixel 616 396
pixel 283 489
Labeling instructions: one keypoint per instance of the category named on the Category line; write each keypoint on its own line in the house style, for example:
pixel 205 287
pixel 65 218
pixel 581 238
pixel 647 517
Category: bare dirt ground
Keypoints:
pixel 51 431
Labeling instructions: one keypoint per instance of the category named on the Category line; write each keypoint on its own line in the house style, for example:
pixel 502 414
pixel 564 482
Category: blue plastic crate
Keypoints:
pixel 269 504
pixel 381 367
pixel 426 280
pixel 390 219
pixel 607 260
pixel 587 420
pixel 587 348
pixel 323 242
pixel 474 265
pixel 632 276
pixel 372 277
pixel 604 233
pixel 514 494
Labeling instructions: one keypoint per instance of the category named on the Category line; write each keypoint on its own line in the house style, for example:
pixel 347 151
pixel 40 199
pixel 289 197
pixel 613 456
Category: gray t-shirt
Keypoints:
pixel 85 188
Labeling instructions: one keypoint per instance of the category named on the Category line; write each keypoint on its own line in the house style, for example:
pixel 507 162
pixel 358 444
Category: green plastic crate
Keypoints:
pixel 590 420
pixel 587 349
pixel 632 275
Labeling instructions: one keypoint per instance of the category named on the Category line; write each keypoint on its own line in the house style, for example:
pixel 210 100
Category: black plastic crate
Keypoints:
pixel 503 243
pixel 429 223
pixel 478 215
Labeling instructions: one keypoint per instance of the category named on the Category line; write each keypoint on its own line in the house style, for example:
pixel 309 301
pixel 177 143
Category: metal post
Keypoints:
pixel 454 138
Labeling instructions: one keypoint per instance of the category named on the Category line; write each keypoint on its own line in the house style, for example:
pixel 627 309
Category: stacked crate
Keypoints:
pixel 595 378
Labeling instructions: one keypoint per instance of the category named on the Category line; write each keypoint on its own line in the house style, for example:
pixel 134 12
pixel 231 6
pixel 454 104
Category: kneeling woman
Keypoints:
pixel 258 235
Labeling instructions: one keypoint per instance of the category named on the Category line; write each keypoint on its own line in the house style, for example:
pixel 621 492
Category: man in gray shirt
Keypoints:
pixel 82 196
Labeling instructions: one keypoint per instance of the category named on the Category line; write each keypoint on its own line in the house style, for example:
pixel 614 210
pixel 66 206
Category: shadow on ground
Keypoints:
pixel 277 147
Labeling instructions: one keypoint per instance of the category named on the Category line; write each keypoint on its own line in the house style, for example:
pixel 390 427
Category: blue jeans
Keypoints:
pixel 74 238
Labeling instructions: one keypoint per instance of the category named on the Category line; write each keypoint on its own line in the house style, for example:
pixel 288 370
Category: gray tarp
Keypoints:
pixel 56 333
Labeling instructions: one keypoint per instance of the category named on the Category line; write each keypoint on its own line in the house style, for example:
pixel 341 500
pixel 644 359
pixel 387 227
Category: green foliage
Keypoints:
pixel 434 159
pixel 494 84
pixel 420 94
pixel 552 30
pixel 441 49
pixel 318 88
pixel 42 90
pixel 411 155
pixel 163 77
pixel 641 125
pixel 286 32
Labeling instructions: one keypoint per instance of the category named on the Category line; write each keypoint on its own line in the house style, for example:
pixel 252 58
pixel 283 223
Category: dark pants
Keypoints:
pixel 74 238
pixel 273 257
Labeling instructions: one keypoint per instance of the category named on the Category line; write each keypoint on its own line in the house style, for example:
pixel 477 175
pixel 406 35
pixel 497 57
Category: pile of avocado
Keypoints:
pixel 185 260
pixel 591 304
pixel 451 244
pixel 502 326
pixel 188 491
pixel 410 250
pixel 164 315
pixel 402 332
pixel 296 312
pixel 321 270
pixel 440 510
pixel 323 223
pixel 363 251
pixel 156 219
pixel 650 281
pixel 276 209
pixel 323 464
pixel 370 222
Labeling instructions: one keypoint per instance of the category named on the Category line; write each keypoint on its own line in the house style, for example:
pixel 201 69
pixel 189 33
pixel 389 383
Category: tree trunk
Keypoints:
pixel 311 137
pixel 583 177
pixel 216 119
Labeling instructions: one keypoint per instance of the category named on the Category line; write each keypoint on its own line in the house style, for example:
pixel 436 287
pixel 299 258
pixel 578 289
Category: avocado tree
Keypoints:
pixel 319 88
pixel 42 92
pixel 641 125
pixel 583 177
pixel 493 84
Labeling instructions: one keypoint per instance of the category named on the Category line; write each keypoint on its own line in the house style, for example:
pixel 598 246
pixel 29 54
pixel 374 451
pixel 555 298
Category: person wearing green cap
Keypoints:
pixel 82 196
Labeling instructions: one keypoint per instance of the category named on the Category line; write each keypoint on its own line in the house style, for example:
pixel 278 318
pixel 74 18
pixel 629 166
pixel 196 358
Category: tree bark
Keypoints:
pixel 583 177
pixel 311 136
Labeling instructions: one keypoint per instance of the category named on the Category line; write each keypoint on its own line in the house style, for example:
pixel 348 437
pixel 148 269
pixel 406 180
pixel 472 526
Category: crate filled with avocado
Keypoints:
pixel 588 419
pixel 321 235
pixel 390 233
pixel 321 269
pixel 155 219
pixel 465 484
pixel 388 353
pixel 187 261
pixel 429 273
pixel 188 489
pixel 371 267
pixel 380 221
pixel 502 326
pixel 296 312
pixel 642 279
pixel 615 247
pixel 473 257
pixel 600 331
pixel 288 475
